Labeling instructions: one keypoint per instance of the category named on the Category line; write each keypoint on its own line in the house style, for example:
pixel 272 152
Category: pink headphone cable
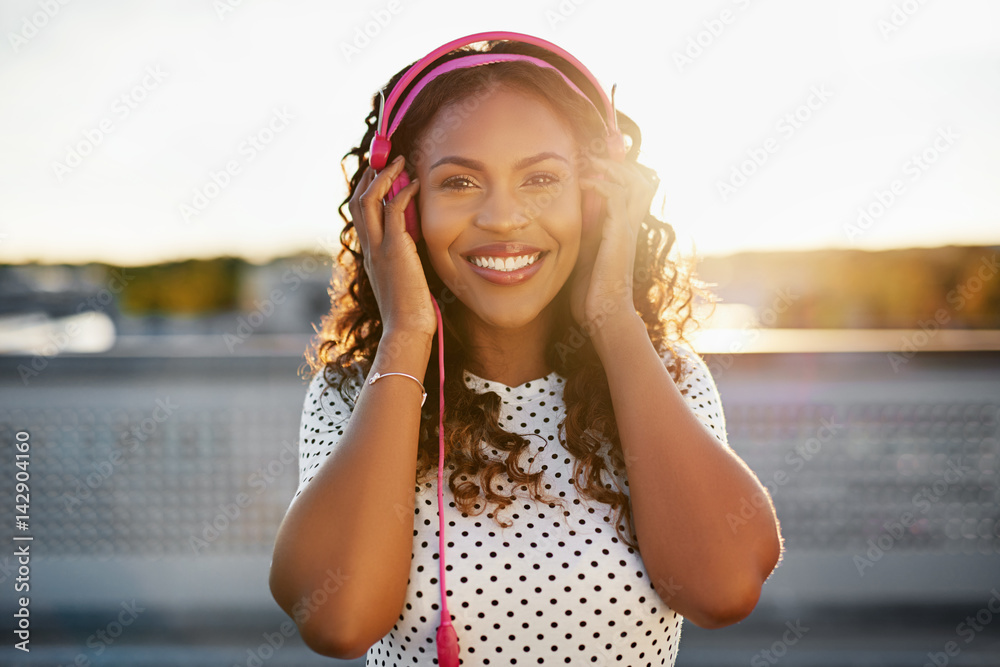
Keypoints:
pixel 447 639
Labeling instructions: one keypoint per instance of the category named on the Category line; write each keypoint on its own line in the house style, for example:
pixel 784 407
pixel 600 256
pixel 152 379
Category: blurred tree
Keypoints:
pixel 894 289
pixel 834 288
pixel 191 287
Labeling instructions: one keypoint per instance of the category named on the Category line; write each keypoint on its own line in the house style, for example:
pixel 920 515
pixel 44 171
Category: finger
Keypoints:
pixel 363 183
pixel 371 201
pixel 641 192
pixel 354 206
pixel 640 183
pixel 648 174
pixel 366 177
pixel 609 168
pixel 590 239
pixel 395 218
pixel 604 187
pixel 615 194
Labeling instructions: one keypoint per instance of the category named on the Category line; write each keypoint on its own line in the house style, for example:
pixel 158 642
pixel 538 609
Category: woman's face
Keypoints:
pixel 498 182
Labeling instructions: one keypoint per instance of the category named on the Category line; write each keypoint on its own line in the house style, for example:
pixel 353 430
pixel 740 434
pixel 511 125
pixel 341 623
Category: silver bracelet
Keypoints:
pixel 378 376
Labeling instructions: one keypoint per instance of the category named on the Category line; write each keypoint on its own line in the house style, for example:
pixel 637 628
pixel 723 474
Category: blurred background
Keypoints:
pixel 168 213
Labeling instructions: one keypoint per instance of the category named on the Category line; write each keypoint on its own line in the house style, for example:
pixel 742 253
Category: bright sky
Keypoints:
pixel 770 122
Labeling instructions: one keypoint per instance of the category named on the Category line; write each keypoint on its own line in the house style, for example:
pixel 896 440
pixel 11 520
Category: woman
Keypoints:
pixel 565 368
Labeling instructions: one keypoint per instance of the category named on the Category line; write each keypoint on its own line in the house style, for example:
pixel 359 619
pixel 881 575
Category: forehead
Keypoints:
pixel 501 124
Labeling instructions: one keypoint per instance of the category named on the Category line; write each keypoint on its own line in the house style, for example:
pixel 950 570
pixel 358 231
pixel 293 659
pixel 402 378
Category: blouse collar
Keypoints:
pixel 533 389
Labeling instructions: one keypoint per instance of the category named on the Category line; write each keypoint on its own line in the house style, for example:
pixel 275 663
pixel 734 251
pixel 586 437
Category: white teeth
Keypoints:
pixel 505 264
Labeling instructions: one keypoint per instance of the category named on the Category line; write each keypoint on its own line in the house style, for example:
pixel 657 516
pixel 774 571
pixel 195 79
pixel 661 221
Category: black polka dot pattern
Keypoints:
pixel 551 589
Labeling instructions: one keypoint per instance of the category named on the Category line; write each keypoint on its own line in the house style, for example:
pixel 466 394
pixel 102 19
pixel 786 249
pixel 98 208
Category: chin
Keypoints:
pixel 506 321
pixel 511 318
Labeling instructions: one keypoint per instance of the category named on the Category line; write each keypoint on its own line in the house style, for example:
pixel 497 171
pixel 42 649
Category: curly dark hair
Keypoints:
pixel 664 292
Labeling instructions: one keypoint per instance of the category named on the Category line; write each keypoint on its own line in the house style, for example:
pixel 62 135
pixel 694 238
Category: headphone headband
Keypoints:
pixel 381 146
pixel 474 60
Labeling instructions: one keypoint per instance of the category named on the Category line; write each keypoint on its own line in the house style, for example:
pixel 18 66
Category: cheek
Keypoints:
pixel 567 219
pixel 439 232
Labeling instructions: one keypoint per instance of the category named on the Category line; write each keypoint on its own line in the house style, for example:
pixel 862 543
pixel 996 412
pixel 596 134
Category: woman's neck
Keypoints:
pixel 509 356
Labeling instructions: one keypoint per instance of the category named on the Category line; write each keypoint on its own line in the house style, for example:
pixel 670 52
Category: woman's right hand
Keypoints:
pixel 390 254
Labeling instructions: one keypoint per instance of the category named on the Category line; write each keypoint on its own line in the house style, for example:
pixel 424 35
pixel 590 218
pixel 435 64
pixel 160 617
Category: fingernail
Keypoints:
pixel 398 158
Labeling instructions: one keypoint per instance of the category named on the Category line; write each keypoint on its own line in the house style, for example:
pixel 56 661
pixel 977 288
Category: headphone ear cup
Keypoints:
pixel 410 213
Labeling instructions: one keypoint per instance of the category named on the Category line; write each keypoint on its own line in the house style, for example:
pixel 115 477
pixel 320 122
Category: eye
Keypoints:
pixel 548 180
pixel 538 180
pixel 454 182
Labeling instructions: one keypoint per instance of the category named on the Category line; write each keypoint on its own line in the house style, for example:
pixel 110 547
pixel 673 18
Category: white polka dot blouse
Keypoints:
pixel 549 590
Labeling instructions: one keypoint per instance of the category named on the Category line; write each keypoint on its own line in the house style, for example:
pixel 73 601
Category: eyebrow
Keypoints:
pixel 476 164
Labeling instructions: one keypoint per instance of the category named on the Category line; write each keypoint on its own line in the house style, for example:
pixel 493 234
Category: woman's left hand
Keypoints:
pixel 602 279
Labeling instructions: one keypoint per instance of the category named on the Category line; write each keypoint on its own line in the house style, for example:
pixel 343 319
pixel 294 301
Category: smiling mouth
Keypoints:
pixel 505 264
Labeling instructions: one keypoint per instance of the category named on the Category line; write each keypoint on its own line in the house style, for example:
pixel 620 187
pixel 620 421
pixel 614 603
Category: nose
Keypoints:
pixel 503 213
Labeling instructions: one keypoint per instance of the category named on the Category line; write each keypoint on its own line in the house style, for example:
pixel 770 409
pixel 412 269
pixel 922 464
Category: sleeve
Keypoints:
pixel 324 416
pixel 700 392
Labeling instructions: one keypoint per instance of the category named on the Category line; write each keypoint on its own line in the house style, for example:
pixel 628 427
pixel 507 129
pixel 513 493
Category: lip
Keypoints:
pixel 508 278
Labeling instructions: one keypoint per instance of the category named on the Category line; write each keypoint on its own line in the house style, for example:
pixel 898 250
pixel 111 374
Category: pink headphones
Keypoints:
pixel 447 640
